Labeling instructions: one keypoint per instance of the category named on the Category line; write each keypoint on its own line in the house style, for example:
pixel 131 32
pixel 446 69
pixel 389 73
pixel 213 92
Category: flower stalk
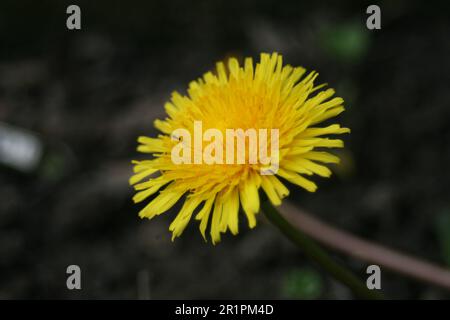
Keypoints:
pixel 318 255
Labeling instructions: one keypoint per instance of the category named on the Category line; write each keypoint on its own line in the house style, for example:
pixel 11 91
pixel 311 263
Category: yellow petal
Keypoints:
pixel 216 217
pixel 203 215
pixel 179 224
pixel 324 157
pixel 248 192
pixel 230 212
pixel 171 109
pixel 149 145
pixel 163 202
pixel 333 129
pixel 300 165
pixel 142 165
pixel 328 114
pixel 293 165
pixel 269 189
pixel 233 66
pixel 151 187
pixel 298 150
pixel 318 142
pixel 222 74
pixel 297 179
pixel 163 126
pixel 141 175
pixel 279 187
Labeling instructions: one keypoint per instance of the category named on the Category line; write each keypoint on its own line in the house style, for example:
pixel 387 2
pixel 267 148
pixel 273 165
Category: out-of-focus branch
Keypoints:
pixel 365 250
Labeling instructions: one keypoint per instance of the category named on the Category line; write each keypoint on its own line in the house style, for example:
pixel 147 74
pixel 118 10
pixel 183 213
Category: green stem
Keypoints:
pixel 317 254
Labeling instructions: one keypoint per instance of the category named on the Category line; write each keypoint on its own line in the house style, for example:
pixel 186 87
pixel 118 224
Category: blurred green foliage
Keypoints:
pixel 302 283
pixel 347 42
pixel 443 234
pixel 53 166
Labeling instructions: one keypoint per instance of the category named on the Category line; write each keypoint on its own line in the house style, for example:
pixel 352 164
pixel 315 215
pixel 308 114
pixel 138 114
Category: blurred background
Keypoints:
pixel 72 104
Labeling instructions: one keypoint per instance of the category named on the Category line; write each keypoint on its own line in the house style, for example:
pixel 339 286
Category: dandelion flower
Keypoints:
pixel 268 95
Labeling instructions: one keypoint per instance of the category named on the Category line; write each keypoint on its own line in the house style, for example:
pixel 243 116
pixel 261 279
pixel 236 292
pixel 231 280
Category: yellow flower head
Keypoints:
pixel 269 96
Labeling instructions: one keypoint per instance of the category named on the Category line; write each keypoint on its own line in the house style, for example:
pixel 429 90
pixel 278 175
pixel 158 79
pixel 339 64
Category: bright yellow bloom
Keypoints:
pixel 269 96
